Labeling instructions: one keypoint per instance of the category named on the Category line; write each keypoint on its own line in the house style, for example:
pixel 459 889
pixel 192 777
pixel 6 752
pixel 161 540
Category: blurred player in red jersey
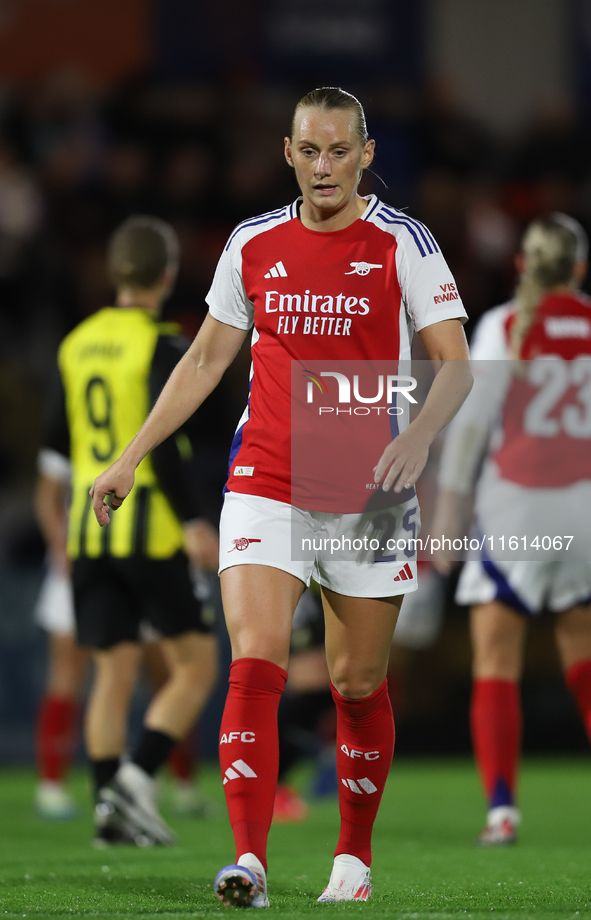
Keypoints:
pixel 333 276
pixel 535 424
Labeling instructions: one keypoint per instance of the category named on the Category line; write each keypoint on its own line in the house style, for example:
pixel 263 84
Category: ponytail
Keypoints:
pixel 551 249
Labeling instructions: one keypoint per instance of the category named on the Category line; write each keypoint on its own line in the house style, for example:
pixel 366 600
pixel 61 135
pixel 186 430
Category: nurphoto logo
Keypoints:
pixel 394 383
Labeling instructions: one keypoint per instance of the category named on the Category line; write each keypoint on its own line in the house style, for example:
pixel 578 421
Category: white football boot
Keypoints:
pixel 242 885
pixel 501 827
pixel 53 802
pixel 133 794
pixel 350 880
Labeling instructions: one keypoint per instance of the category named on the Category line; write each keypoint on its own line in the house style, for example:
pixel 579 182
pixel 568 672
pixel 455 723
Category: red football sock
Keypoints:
pixel 496 721
pixel 181 760
pixel 365 746
pixel 578 681
pixel 249 751
pixel 57 733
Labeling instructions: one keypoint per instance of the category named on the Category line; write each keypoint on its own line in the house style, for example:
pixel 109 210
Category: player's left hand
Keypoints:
pixel 403 461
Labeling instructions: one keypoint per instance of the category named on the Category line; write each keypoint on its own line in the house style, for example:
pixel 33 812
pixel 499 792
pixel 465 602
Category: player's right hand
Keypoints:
pixel 116 482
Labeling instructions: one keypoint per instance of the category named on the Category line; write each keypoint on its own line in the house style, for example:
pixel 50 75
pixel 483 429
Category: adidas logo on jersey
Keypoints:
pixel 404 574
pixel 360 785
pixel 278 271
pixel 244 471
pixel 238 769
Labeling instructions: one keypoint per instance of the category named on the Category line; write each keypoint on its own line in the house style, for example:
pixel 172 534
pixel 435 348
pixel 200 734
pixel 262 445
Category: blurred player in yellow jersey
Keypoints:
pixel 111 370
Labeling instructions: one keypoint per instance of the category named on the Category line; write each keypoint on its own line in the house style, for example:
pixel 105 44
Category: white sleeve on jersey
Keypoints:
pixel 489 339
pixel 428 287
pixel 54 465
pixel 468 436
pixel 227 300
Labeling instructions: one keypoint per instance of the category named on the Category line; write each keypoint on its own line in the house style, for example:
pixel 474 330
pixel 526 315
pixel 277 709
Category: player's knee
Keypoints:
pixel 574 623
pixel 498 652
pixel 354 683
pixel 253 644
pixel 195 672
pixel 118 665
pixel 194 654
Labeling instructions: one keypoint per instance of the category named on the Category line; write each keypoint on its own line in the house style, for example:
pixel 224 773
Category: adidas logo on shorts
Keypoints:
pixel 404 574
pixel 238 769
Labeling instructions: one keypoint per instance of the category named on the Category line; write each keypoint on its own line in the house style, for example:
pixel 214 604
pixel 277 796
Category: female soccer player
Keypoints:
pixel 534 486
pixel 332 276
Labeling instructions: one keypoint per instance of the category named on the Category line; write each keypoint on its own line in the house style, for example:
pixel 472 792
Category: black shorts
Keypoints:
pixel 308 623
pixel 112 597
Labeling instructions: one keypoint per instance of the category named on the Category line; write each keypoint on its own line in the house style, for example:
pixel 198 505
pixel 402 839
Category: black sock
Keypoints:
pixel 103 771
pixel 152 750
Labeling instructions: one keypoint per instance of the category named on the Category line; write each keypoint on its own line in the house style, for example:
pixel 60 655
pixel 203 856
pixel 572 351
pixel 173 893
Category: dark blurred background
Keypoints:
pixel 481 114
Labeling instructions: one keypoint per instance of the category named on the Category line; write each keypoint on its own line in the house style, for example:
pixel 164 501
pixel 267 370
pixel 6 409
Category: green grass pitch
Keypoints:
pixel 425 867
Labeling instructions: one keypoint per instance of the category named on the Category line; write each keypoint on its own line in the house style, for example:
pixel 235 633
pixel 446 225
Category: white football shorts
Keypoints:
pixel 527 587
pixel 54 610
pixel 533 518
pixel 506 510
pixel 368 554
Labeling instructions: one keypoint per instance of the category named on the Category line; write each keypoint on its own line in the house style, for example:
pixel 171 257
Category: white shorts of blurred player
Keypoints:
pixel 518 523
pixel 421 614
pixel 527 587
pixel 530 579
pixel 315 544
pixel 54 610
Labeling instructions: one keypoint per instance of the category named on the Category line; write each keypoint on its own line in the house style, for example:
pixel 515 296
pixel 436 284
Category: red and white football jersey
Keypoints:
pixel 348 295
pixel 545 437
